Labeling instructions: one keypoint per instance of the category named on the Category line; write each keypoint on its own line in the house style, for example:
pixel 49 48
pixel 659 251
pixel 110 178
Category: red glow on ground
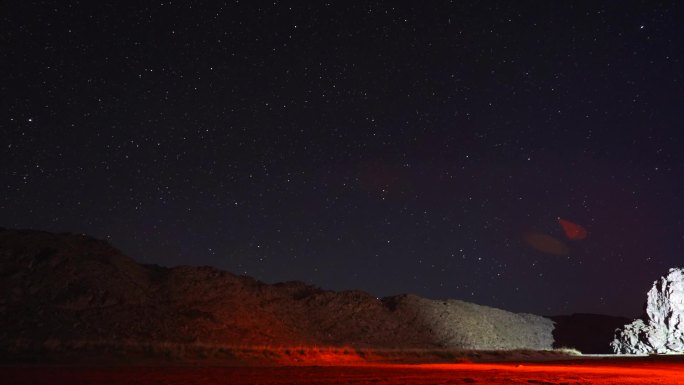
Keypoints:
pixel 572 230
pixel 588 372
pixel 340 356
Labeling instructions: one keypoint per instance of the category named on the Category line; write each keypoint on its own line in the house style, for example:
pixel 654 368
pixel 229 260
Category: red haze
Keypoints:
pixel 546 243
pixel 572 230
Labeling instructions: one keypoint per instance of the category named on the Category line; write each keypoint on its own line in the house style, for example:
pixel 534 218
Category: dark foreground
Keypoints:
pixel 584 372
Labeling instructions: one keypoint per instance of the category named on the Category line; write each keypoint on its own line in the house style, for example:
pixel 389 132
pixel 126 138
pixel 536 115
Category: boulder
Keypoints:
pixel 662 329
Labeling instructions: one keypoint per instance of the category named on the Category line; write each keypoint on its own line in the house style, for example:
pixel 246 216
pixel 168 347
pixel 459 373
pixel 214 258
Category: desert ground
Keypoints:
pixel 665 370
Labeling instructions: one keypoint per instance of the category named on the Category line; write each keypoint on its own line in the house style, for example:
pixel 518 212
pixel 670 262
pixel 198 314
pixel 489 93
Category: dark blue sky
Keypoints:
pixel 390 147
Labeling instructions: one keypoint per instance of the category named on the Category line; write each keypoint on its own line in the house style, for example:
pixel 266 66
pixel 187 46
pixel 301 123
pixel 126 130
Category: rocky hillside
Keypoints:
pixel 57 288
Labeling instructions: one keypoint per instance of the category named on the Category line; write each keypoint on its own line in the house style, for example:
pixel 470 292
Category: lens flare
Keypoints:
pixel 572 230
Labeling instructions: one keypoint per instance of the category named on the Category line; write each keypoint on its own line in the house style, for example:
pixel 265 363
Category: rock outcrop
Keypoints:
pixel 61 290
pixel 662 329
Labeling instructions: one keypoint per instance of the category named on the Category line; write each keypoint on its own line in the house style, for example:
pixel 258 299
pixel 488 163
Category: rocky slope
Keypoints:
pixel 59 288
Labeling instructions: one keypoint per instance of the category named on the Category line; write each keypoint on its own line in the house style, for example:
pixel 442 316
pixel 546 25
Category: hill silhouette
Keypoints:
pixel 64 292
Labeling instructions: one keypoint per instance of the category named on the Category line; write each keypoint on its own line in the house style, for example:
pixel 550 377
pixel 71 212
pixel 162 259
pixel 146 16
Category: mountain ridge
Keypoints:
pixel 67 287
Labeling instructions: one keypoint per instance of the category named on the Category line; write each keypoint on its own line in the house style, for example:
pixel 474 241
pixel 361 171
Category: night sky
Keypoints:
pixel 392 147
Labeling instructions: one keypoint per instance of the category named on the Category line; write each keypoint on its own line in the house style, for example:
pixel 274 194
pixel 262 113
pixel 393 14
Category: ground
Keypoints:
pixel 590 371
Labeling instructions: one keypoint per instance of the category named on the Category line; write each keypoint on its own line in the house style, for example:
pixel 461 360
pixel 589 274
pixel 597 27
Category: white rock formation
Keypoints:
pixel 663 330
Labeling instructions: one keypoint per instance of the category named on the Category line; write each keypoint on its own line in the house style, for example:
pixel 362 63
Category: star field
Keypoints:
pixel 384 146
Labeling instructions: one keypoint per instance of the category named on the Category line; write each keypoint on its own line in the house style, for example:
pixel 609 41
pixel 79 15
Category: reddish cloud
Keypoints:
pixel 546 243
pixel 572 230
